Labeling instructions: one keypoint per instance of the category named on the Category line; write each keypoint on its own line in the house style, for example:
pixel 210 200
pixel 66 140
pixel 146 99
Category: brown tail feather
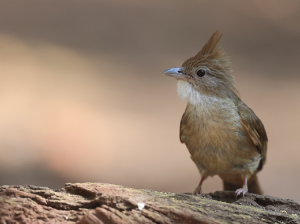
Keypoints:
pixel 253 186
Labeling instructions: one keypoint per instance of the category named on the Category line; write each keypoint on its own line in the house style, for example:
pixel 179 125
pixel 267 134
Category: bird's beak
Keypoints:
pixel 176 72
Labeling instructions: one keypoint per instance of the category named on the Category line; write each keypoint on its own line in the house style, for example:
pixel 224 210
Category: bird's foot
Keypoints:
pixel 240 191
pixel 197 190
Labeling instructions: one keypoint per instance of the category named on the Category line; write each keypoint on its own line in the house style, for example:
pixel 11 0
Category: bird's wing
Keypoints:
pixel 255 129
pixel 183 123
pixel 181 131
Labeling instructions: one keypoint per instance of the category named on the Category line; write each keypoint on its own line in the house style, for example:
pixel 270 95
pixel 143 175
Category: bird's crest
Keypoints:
pixel 212 44
pixel 213 57
pixel 209 53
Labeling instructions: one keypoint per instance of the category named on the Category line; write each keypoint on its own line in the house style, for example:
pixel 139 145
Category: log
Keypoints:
pixel 89 203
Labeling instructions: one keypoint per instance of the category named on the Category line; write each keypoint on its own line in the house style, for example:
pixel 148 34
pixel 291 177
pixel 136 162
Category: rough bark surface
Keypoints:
pixel 87 203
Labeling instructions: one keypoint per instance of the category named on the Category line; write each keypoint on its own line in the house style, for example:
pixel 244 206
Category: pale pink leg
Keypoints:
pixel 198 188
pixel 242 190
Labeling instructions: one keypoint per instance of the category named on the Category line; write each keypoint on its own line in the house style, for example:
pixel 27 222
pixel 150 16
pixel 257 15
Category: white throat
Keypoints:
pixel 186 92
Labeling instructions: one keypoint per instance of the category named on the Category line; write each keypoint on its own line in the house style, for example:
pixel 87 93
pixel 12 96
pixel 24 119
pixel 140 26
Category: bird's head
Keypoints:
pixel 207 73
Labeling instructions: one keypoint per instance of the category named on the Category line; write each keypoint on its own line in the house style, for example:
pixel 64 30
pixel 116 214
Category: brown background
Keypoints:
pixel 83 98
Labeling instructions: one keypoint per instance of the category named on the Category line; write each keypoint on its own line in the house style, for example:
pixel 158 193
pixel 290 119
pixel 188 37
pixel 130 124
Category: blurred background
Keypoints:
pixel 83 98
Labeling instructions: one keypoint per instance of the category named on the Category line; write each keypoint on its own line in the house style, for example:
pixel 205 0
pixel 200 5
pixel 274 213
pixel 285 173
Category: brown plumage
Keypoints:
pixel 222 134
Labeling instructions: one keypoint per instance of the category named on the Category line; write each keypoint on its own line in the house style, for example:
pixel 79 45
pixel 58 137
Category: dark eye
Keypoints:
pixel 201 72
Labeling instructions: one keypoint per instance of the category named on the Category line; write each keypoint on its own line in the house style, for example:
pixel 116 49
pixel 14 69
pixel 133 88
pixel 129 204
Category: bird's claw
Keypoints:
pixel 197 191
pixel 240 191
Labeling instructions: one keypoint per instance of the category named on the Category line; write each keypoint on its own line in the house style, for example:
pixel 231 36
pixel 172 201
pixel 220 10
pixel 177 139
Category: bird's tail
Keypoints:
pixel 253 186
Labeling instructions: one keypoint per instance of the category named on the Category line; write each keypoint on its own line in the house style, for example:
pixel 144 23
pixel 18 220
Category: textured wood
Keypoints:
pixel 88 203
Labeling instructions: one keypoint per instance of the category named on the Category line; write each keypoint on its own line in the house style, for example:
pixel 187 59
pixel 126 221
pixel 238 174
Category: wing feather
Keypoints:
pixel 182 126
pixel 255 129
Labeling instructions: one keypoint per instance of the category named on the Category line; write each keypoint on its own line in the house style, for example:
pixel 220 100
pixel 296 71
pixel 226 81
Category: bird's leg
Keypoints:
pixel 198 188
pixel 242 190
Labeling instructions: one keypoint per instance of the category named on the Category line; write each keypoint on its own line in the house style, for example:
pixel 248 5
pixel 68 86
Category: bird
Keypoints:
pixel 222 134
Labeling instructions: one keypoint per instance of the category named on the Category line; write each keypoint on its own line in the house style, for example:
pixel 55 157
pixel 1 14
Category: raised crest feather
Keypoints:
pixel 213 57
pixel 210 53
pixel 212 44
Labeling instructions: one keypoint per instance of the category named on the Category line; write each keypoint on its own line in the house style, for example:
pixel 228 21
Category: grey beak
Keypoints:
pixel 175 72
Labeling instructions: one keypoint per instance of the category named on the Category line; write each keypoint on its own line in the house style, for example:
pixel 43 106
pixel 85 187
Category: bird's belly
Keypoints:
pixel 220 144
pixel 212 161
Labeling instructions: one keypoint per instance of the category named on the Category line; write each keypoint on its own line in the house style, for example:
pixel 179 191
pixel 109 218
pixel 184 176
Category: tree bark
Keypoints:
pixel 87 203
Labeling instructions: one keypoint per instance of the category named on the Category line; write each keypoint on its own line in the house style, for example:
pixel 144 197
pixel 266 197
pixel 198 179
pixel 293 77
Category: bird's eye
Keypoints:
pixel 201 72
